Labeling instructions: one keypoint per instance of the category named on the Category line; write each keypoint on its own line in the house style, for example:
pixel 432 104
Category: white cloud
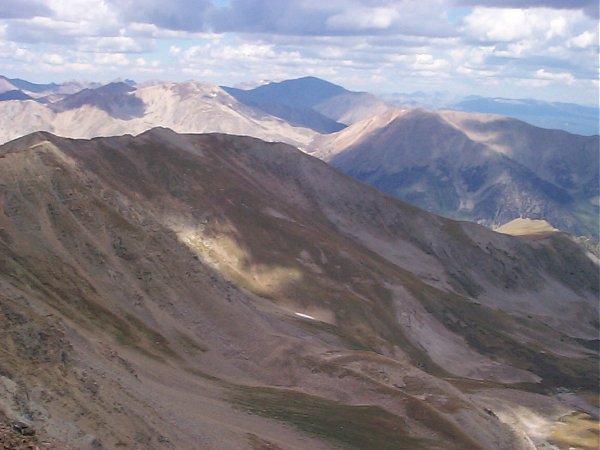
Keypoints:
pixel 83 10
pixel 245 51
pixel 518 49
pixel 428 63
pixel 111 59
pixel 25 55
pixel 359 18
pixel 475 72
pixel 557 27
pixel 354 42
pixel 509 25
pixel 54 59
pixel 532 82
pixel 563 77
pixel 398 58
pixel 427 66
pixel 331 52
pixel 116 44
pixel 584 40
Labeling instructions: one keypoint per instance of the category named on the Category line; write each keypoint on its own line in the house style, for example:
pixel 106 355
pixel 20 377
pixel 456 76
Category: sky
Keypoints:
pixel 543 49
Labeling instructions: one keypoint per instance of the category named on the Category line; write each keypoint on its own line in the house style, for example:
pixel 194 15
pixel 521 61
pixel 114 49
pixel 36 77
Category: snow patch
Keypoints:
pixel 304 316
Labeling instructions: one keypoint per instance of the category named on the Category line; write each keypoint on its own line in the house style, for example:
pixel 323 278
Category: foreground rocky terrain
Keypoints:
pixel 213 291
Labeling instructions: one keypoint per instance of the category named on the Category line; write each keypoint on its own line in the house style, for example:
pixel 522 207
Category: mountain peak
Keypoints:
pixel 305 92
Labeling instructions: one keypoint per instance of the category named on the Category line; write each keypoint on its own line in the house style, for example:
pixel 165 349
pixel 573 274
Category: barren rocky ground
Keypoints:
pixel 212 291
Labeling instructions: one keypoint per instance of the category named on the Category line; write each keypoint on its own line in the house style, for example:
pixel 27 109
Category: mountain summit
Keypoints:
pixel 304 92
pixel 311 102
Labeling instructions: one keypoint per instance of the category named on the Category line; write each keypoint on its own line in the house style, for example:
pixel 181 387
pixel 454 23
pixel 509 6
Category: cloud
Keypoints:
pixel 116 44
pixel 511 24
pixel 590 7
pixel 332 18
pixel 54 59
pixel 428 44
pixel 111 59
pixel 186 15
pixel 68 20
pixel 564 77
pixel 24 9
pixel 584 40
pixel 42 30
pixel 272 16
pixel 556 40
pixel 362 18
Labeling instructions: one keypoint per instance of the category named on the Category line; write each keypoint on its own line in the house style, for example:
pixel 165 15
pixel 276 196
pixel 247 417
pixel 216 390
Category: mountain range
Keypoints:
pixel 119 108
pixel 570 117
pixel 311 102
pixel 480 167
pixel 483 168
pixel 43 90
pixel 212 291
pixel 577 119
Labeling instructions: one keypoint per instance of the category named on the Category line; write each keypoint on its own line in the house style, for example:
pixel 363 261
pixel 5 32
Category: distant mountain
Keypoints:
pixel 170 291
pixel 574 118
pixel 420 99
pixel 311 102
pixel 293 101
pixel 6 85
pixel 14 95
pixel 298 116
pixel 488 169
pixel 24 85
pixel 119 108
pixel 303 92
pixel 352 107
pixel 39 91
pixel 112 98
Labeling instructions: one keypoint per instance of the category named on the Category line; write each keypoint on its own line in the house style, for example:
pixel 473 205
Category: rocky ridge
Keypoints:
pixel 215 291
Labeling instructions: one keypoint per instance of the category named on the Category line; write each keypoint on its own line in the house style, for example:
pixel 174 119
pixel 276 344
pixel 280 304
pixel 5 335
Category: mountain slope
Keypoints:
pixel 295 115
pixel 113 98
pixel 293 101
pixel 304 92
pixel 119 108
pixel 214 291
pixel 482 168
pixel 352 107
pixel 14 95
pixel 311 102
pixel 37 90
pixel 24 85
